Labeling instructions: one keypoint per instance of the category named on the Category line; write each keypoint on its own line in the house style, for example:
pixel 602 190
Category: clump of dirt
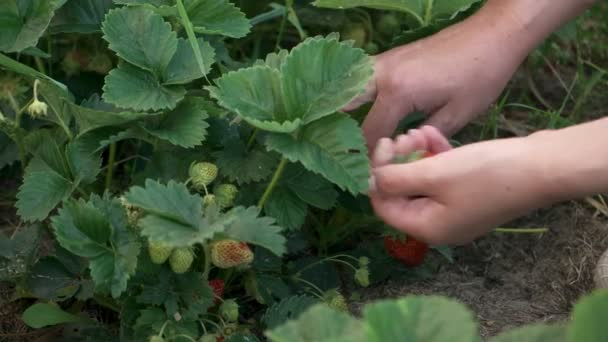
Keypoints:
pixel 509 280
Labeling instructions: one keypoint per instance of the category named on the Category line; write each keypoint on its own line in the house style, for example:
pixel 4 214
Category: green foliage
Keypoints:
pixel 137 92
pixel 41 315
pixel 23 22
pixel 432 318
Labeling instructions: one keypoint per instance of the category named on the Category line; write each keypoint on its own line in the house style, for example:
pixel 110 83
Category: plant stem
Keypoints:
pixel 522 230
pixel 207 261
pixel 110 171
pixel 252 139
pixel 313 286
pixel 273 182
pixel 281 29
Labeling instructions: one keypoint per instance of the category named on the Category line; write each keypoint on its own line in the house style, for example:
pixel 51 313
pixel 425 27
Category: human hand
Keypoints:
pixel 458 194
pixel 451 77
pixel 457 73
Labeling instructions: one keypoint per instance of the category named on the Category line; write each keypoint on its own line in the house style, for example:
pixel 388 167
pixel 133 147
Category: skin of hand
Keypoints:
pixel 461 193
pixel 457 73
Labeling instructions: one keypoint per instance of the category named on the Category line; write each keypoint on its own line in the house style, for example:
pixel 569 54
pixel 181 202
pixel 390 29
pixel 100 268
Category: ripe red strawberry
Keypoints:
pixel 408 250
pixel 217 285
pixel 230 253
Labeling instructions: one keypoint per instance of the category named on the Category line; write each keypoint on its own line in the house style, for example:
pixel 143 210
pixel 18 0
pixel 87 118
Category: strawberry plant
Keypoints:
pixel 434 318
pixel 192 177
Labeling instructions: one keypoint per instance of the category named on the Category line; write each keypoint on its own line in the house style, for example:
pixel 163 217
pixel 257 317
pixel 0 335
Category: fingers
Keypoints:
pixel 436 142
pixel 383 153
pixel 413 217
pixel 403 180
pixel 448 120
pixel 382 120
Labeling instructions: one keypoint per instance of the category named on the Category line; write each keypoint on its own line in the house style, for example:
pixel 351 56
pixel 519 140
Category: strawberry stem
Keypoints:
pixel 110 171
pixel 273 182
pixel 522 230
pixel 207 261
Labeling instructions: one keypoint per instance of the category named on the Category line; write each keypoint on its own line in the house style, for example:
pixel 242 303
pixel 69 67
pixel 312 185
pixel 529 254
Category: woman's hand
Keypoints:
pixel 458 194
pixel 457 73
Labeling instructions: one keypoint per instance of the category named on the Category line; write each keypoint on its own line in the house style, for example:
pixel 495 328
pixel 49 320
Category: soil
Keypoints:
pixel 509 280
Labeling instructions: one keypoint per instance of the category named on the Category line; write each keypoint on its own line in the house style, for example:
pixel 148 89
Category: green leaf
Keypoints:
pixel 588 318
pixel 217 17
pixel 141 37
pixel 320 323
pixel 94 113
pixel 243 166
pixel 534 333
pixel 420 318
pixel 183 67
pixel 22 22
pixel 287 309
pixel 174 216
pixel 333 147
pixel 321 76
pixel 42 315
pixel 172 201
pixel 18 252
pixel 97 230
pixel 82 229
pixel 245 225
pixel 284 206
pixel 45 145
pixel 255 95
pixel 84 164
pixel 185 126
pixel 40 193
pixel 130 87
pixel 49 279
pixel 424 11
pixel 310 187
pixel 80 16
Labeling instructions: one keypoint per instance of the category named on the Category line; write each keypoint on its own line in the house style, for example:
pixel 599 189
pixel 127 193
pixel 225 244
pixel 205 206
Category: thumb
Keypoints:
pixel 403 180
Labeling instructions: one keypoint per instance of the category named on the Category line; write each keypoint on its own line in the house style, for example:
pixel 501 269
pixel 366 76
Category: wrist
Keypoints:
pixel 569 162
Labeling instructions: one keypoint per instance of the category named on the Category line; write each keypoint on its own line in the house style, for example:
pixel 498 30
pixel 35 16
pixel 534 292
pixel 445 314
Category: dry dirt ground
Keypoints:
pixel 509 280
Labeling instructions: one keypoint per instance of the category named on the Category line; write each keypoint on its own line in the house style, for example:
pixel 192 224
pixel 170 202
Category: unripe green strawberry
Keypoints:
pixel 389 24
pixel 355 32
pixel 362 277
pixel 363 261
pixel 181 260
pixel 336 301
pixel 229 329
pixel 230 253
pixel 209 200
pixel 371 48
pixel 339 303
pixel 159 253
pixel 203 174
pixel 230 310
pixel 225 194
pixel 101 64
pixel 156 338
pixel 211 338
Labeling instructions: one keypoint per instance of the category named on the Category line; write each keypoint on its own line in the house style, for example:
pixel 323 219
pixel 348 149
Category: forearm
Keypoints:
pixel 572 162
pixel 525 23
pixel 510 29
